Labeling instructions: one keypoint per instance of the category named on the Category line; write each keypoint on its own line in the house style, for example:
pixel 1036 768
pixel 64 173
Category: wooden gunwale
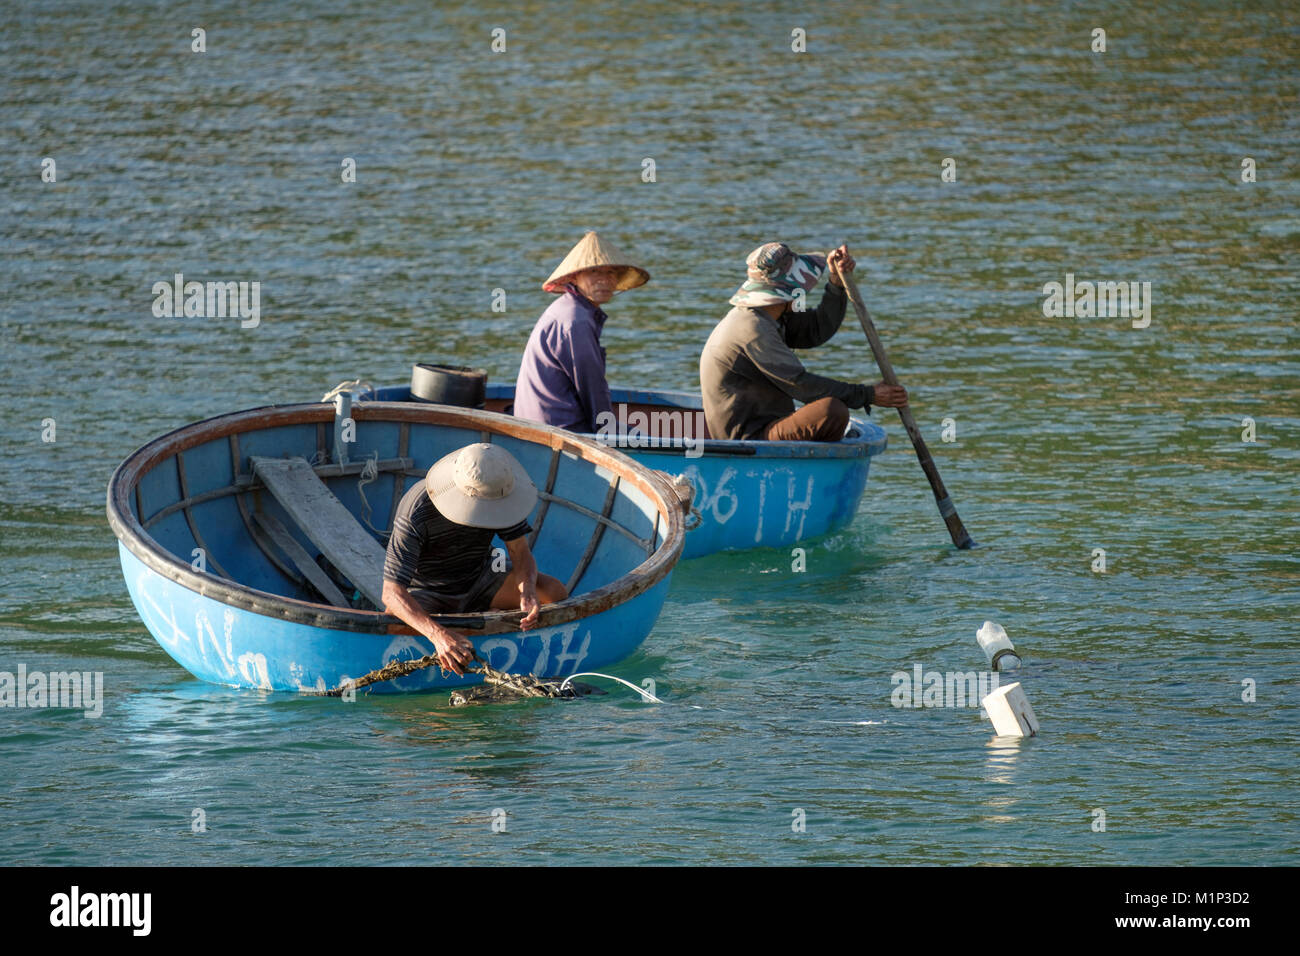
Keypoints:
pixel 136 539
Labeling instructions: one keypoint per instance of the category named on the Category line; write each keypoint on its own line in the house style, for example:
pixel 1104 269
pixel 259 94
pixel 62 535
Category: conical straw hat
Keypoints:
pixel 594 251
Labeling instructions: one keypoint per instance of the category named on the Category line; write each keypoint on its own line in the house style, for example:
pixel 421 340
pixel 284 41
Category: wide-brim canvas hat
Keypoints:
pixel 482 486
pixel 775 274
pixel 592 252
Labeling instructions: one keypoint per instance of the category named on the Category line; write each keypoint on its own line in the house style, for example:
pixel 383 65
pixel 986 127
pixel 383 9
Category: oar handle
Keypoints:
pixel 960 536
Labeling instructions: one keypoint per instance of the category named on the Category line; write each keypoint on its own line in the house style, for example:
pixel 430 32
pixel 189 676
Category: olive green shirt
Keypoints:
pixel 750 377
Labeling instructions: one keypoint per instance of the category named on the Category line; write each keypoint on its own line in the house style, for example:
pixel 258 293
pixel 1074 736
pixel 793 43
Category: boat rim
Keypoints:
pixel 133 536
pixel 871 439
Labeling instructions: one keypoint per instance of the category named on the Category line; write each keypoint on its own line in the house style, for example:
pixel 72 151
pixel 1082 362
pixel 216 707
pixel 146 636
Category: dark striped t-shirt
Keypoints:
pixel 430 551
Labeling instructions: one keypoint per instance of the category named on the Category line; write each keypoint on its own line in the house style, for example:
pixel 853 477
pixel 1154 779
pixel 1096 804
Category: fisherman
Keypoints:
pixel 562 376
pixel 749 374
pixel 440 557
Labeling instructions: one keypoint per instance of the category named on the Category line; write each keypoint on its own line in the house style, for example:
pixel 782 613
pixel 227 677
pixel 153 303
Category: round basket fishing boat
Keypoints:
pixel 252 544
pixel 749 494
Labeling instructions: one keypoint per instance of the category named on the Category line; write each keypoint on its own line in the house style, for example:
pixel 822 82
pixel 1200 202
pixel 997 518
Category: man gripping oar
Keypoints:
pixel 947 510
pixel 750 377
pixel 749 374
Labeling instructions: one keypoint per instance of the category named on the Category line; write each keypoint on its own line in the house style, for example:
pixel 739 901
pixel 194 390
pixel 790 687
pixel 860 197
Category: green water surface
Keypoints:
pixel 477 171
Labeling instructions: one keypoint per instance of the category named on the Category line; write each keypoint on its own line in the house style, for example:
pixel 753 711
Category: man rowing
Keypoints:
pixel 562 376
pixel 749 375
pixel 440 557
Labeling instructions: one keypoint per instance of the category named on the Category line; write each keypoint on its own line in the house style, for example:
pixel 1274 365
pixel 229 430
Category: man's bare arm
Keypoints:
pixel 521 556
pixel 454 651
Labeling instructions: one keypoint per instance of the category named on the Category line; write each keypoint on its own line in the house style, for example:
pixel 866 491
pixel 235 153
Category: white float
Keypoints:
pixel 1009 709
pixel 997 647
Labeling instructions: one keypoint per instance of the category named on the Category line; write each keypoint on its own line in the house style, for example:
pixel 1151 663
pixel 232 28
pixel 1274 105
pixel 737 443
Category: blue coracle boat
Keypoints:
pixel 222 526
pixel 749 494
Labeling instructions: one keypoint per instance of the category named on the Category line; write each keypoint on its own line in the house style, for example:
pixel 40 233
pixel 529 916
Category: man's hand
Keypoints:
pixel 888 396
pixel 526 569
pixel 528 604
pixel 454 652
pixel 840 262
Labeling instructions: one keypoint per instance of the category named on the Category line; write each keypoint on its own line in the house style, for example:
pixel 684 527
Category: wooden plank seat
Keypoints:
pixel 296 553
pixel 327 524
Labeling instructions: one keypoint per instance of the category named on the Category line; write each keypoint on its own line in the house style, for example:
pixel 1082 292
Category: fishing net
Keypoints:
pixel 497 686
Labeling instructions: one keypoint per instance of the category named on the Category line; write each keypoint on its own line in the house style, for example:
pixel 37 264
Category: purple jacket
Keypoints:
pixel 562 376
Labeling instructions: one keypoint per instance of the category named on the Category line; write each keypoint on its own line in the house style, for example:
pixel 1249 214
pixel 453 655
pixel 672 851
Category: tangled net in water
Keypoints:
pixel 497 686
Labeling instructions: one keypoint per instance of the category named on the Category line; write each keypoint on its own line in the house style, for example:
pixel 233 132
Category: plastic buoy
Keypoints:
pixel 1009 709
pixel 997 647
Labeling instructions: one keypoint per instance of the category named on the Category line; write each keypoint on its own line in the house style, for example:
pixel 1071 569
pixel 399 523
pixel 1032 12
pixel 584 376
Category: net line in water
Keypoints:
pixel 497 686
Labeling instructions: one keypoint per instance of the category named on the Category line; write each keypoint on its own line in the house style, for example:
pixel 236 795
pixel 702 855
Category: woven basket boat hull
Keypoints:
pixel 608 525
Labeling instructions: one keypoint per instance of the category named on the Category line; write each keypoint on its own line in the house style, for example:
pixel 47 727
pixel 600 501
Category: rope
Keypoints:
pixel 521 685
pixel 369 472
pixel 351 385
pixel 685 490
pixel 646 696
pixel 525 685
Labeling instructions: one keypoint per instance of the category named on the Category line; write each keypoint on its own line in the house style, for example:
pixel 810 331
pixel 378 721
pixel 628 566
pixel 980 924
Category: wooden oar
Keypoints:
pixel 960 537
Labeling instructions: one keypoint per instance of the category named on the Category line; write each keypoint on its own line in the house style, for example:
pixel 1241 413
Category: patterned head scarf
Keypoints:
pixel 775 273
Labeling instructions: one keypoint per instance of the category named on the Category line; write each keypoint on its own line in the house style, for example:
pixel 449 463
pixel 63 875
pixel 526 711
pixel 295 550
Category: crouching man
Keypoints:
pixel 440 558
